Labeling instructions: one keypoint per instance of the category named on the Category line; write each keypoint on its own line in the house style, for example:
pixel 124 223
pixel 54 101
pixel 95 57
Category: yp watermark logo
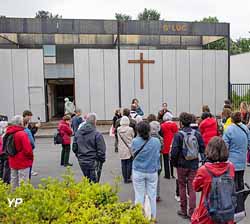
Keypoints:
pixel 15 202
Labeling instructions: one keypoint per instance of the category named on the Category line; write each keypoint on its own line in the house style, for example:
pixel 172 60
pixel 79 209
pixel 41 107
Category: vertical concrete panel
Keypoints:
pixel 221 80
pixel 36 83
pixel 111 82
pixel 6 83
pixel 209 90
pixel 21 80
pixel 195 81
pixel 82 80
pixel 97 82
pixel 170 80
pixel 127 77
pixel 155 81
pixel 142 94
pixel 183 81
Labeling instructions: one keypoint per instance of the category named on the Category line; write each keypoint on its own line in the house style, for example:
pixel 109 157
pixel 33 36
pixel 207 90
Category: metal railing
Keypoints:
pixel 239 93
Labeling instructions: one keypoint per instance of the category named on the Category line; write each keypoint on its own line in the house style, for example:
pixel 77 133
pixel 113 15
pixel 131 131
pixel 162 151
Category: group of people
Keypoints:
pixel 201 149
pixel 17 142
pixel 205 153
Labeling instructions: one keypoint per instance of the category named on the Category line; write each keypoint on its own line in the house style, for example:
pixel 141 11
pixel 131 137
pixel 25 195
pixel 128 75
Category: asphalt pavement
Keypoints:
pixel 47 163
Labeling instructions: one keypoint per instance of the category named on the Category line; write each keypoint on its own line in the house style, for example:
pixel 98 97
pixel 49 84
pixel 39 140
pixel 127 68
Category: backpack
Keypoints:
pixel 9 145
pixel 190 147
pixel 221 201
pixel 58 138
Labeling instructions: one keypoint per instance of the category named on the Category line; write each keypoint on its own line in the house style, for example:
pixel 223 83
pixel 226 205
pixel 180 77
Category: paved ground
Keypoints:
pixel 48 160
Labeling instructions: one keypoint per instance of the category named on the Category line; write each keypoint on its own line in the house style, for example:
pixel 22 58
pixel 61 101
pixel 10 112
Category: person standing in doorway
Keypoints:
pixel 185 157
pixel 125 136
pixel 237 139
pixel 168 129
pixel 69 107
pixel 66 133
pixel 139 111
pixel 91 152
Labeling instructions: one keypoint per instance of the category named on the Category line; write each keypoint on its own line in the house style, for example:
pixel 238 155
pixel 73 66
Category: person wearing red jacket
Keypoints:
pixel 21 162
pixel 217 155
pixel 168 130
pixel 208 127
pixel 66 133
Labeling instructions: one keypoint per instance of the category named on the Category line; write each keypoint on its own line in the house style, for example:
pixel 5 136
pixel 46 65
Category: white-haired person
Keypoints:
pixel 91 149
pixel 125 136
pixel 22 158
pixel 168 130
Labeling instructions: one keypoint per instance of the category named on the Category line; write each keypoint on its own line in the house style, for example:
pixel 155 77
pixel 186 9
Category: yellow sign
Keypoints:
pixel 174 27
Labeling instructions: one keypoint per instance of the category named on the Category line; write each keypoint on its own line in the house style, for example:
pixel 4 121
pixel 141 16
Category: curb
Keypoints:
pixel 51 136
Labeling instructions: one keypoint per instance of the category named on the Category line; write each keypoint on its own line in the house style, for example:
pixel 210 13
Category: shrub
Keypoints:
pixel 65 202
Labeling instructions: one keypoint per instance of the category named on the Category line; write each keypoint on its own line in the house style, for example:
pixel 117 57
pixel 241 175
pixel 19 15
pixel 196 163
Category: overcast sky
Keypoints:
pixel 235 12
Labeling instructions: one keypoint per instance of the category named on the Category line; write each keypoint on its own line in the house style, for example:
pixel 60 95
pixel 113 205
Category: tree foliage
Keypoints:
pixel 122 17
pixel 47 15
pixel 149 14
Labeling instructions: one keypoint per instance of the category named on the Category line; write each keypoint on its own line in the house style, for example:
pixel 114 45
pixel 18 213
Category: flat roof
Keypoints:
pixel 131 27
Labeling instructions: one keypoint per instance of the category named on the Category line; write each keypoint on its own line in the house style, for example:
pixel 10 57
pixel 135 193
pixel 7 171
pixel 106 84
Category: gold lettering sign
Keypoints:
pixel 174 27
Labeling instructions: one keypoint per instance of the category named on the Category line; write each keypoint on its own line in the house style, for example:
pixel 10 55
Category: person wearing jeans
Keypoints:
pixel 186 169
pixel 146 164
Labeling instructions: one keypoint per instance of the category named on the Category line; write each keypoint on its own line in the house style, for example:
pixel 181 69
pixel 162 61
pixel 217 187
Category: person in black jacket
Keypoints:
pixel 91 149
pixel 186 168
pixel 116 117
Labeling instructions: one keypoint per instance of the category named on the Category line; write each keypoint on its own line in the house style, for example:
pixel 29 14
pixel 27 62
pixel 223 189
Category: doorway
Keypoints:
pixel 57 91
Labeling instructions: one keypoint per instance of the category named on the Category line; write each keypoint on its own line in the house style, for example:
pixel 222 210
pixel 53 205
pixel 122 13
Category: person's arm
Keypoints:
pixel 68 131
pixel 227 138
pixel 175 151
pixel 100 148
pixel 198 182
pixel 140 111
pixel 32 141
pixel 33 129
pixel 201 145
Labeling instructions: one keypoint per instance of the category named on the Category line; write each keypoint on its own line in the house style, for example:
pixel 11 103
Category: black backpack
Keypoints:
pixel 57 138
pixel 9 145
pixel 221 201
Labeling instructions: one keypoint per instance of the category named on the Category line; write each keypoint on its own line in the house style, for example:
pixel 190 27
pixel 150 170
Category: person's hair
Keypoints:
pixel 78 110
pixel 126 112
pixel 117 110
pixel 151 117
pixel 27 113
pixel 205 108
pixel 236 117
pixel 17 120
pixel 243 106
pixel 194 119
pixel 155 127
pixel 143 129
pixel 186 119
pixel 124 121
pixel 133 107
pixel 227 106
pixel 135 99
pixel 91 118
pixel 206 115
pixel 227 102
pixel 66 118
pixel 216 150
pixel 168 117
pixel 226 112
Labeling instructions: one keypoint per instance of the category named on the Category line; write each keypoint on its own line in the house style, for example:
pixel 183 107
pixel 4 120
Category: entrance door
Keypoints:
pixel 58 90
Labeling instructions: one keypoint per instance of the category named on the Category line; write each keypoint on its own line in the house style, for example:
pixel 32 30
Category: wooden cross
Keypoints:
pixel 141 62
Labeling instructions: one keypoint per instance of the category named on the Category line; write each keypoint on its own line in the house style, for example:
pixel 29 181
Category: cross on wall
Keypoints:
pixel 141 61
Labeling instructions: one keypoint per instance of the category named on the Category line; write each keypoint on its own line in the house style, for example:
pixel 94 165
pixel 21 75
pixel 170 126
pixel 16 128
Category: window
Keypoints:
pixel 49 50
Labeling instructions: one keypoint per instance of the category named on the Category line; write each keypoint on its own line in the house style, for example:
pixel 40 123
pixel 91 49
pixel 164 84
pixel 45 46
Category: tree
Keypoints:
pixel 210 19
pixel 122 17
pixel 149 14
pixel 47 15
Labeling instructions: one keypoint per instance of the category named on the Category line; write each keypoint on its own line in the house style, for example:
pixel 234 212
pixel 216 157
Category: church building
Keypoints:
pixel 102 65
